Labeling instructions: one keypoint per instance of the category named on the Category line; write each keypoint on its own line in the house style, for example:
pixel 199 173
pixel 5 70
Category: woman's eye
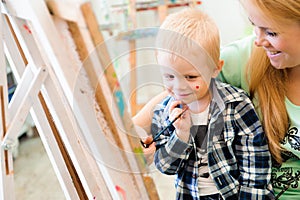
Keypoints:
pixel 272 34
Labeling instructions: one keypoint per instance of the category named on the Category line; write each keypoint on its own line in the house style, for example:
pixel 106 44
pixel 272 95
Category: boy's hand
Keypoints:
pixel 183 124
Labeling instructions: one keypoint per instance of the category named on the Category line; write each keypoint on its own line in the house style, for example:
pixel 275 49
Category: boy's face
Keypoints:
pixel 183 80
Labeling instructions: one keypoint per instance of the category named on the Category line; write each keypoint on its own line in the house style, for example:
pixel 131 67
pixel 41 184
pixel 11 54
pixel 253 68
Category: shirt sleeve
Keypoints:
pixel 171 156
pixel 252 153
pixel 235 56
pixel 171 152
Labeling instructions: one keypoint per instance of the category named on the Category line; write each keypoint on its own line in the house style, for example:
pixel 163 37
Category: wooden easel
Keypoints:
pixel 87 37
pixel 76 126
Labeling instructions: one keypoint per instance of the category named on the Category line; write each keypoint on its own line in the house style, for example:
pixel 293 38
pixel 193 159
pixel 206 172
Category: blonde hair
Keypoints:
pixel 191 29
pixel 278 11
pixel 268 84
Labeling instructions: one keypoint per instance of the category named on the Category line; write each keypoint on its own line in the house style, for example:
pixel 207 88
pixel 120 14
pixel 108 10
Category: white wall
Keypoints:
pixel 230 18
pixel 228 14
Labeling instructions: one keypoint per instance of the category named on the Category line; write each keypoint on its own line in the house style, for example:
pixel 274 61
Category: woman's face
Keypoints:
pixel 282 48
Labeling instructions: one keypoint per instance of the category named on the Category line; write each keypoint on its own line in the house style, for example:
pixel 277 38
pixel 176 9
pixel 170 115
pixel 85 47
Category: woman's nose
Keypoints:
pixel 260 38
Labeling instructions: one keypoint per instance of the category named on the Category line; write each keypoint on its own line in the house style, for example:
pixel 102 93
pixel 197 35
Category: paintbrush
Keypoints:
pixel 163 130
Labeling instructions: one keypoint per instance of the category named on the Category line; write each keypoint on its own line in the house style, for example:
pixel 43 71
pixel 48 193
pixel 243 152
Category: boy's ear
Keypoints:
pixel 218 68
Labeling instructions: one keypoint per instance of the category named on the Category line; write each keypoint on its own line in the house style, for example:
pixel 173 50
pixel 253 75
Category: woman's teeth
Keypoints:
pixel 274 52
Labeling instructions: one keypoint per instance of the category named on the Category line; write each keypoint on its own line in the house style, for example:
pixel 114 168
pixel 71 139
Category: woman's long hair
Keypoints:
pixel 267 87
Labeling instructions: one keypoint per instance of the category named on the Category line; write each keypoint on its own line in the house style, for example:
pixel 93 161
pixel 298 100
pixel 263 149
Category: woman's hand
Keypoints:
pixel 149 151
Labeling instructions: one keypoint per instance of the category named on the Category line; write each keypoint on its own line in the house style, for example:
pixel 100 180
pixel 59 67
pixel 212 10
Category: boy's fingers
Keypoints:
pixel 175 104
pixel 175 113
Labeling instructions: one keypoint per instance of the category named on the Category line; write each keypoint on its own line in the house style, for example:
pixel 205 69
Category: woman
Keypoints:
pixel 273 81
pixel 273 72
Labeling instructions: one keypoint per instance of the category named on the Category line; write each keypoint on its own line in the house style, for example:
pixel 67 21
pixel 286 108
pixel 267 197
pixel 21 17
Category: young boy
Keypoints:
pixel 217 148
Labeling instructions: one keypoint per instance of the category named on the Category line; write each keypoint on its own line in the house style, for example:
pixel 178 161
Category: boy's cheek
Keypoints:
pixel 169 90
pixel 167 84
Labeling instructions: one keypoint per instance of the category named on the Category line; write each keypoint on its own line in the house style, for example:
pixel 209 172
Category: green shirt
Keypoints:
pixel 289 172
pixel 235 56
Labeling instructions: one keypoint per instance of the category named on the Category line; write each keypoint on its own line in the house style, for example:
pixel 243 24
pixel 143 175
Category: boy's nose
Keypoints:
pixel 180 84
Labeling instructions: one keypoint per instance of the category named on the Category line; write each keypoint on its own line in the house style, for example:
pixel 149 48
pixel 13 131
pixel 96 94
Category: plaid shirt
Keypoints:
pixel 238 156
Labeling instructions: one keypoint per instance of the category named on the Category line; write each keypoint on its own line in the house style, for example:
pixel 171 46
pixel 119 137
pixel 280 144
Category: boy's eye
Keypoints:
pixel 190 78
pixel 169 77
